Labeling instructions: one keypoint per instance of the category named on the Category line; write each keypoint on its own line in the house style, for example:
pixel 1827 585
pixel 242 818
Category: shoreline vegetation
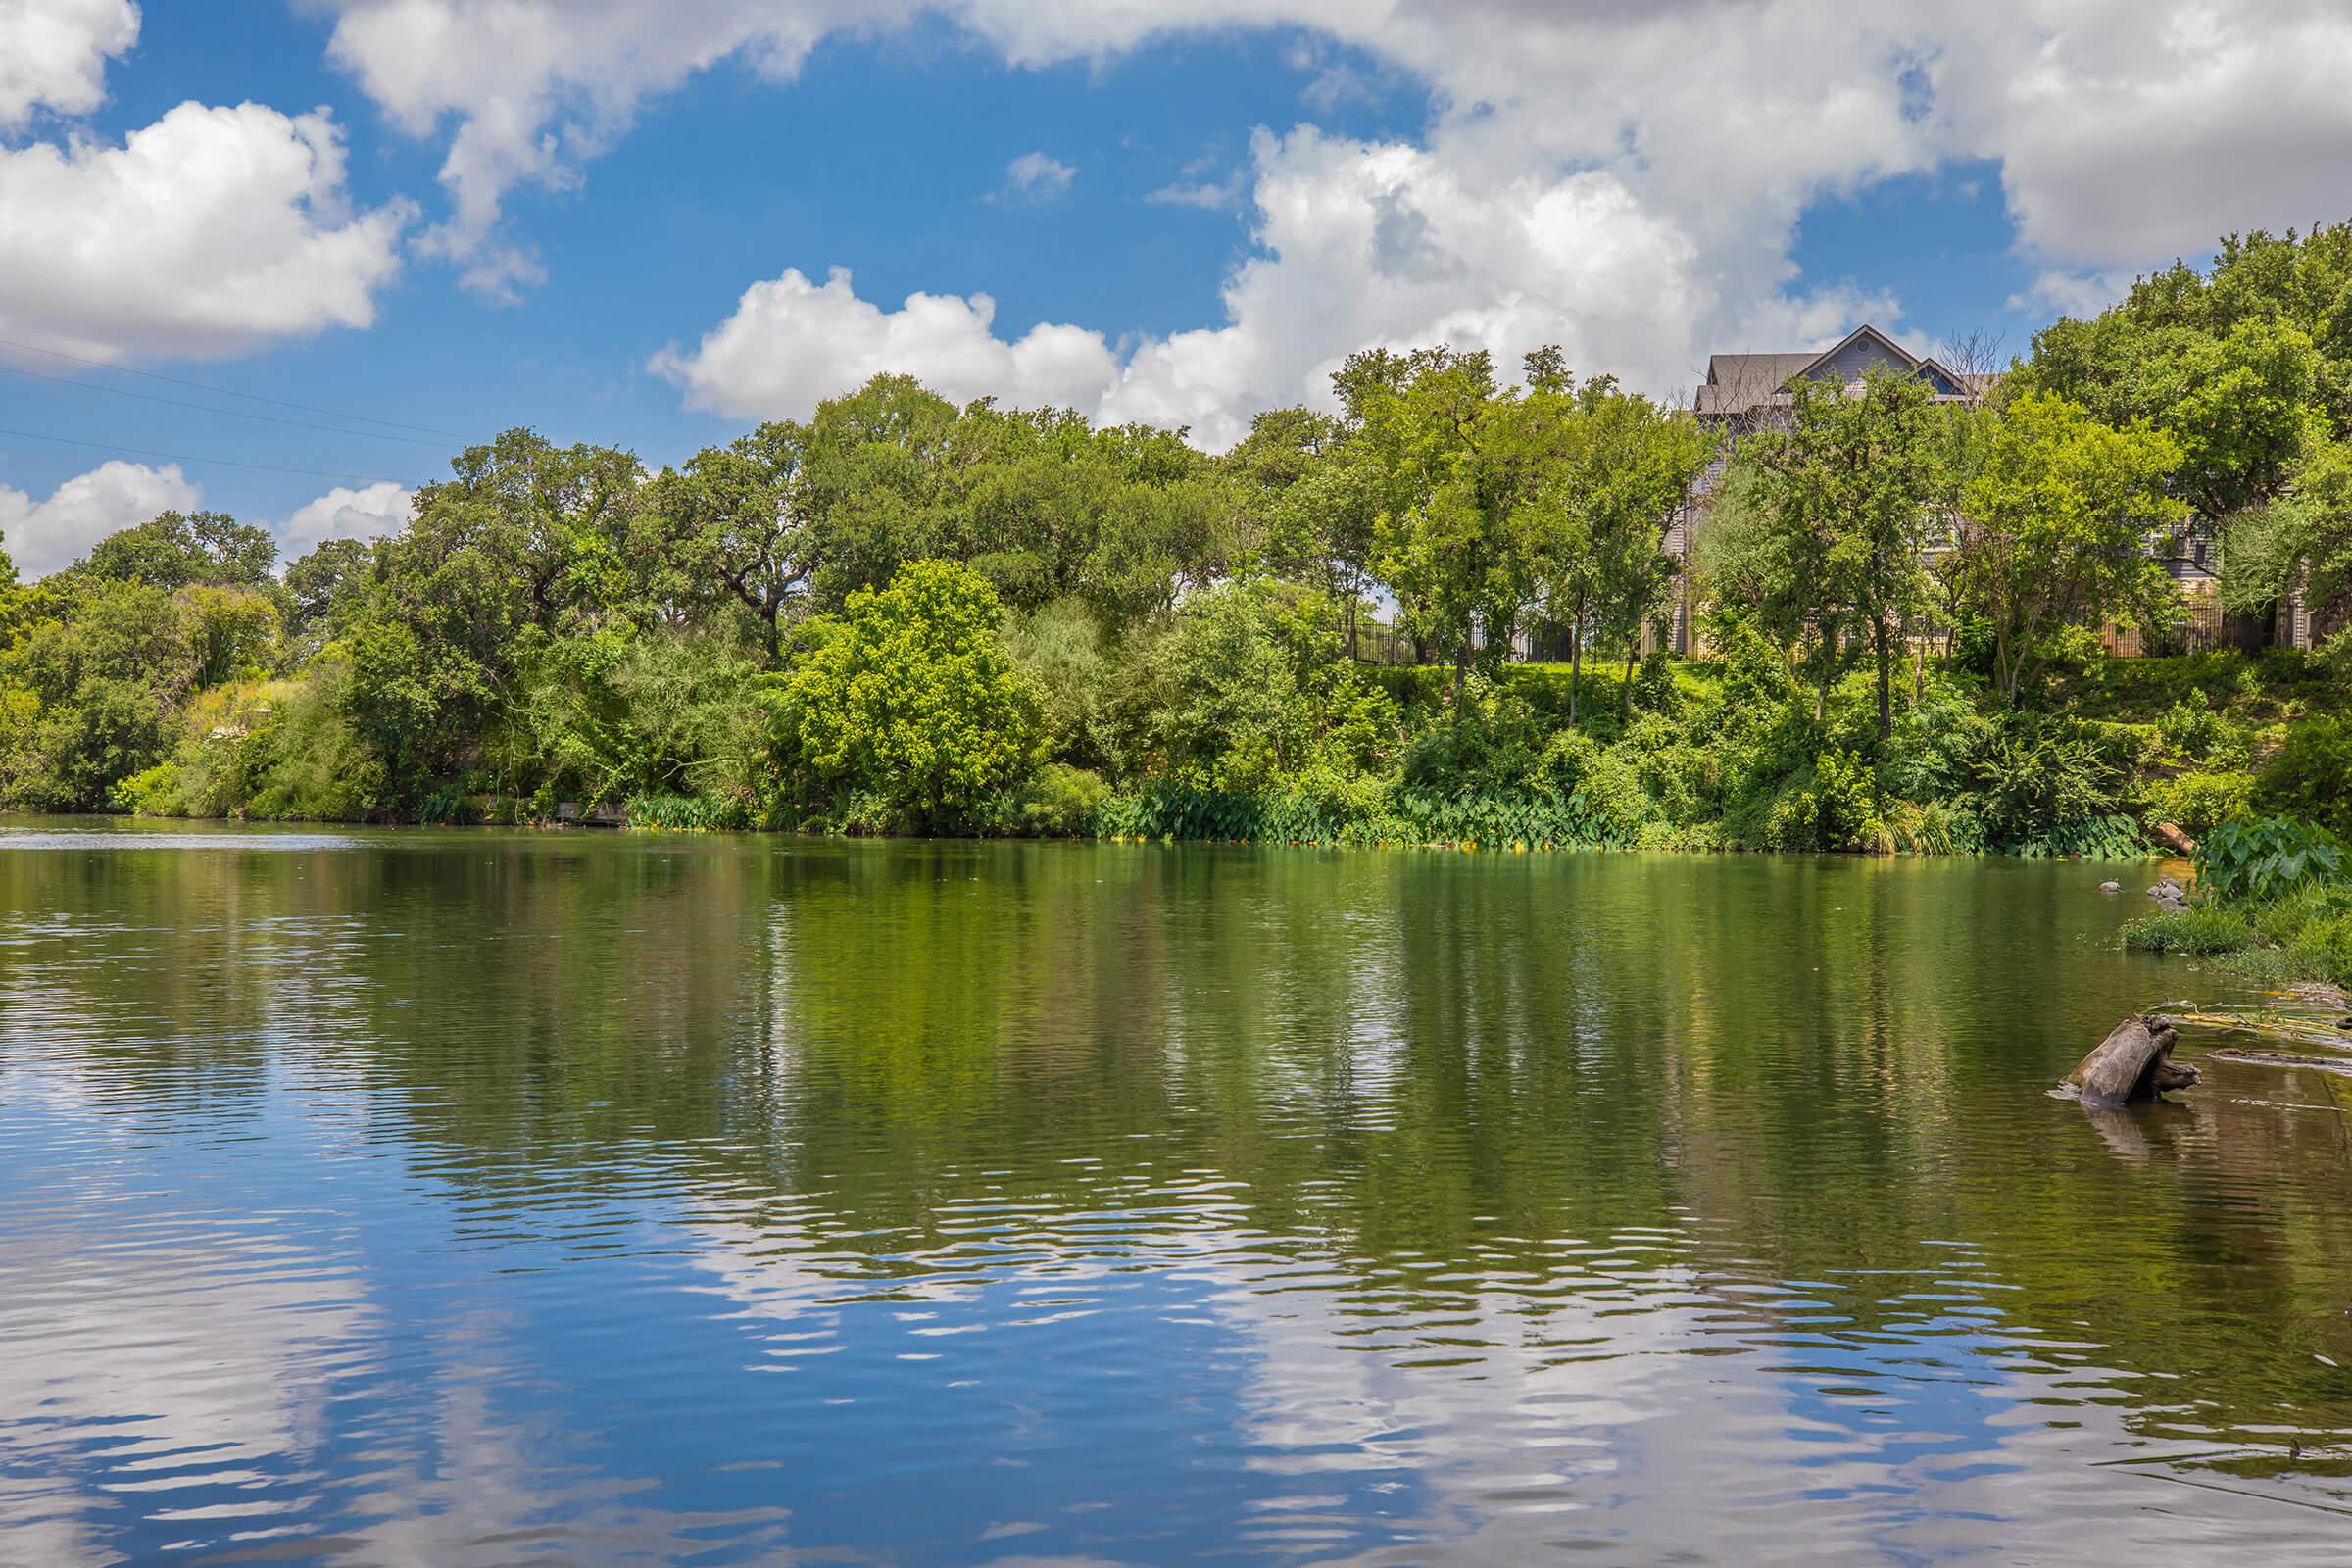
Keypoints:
pixel 904 617
pixel 2271 900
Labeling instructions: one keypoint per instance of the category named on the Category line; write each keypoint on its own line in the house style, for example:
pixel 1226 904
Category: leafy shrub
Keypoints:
pixel 1925 758
pixel 318 767
pixel 1610 803
pixel 154 792
pixel 1326 806
pixel 1568 760
pixel 1932 828
pixel 910 712
pixel 2112 836
pixel 1178 811
pixel 1060 803
pixel 1060 648
pixel 2197 802
pixel 2263 858
pixel 1793 822
pixel 1672 764
pixel 1656 690
pixel 1333 809
pixel 2322 949
pixel 2190 730
pixel 686 813
pixel 449 807
pixel 616 713
pixel 2037 776
pixel 1499 822
pixel 2201 931
pixel 1247 685
pixel 2074 653
pixel 2310 777
pixel 1836 808
pixel 1847 789
pixel 1492 742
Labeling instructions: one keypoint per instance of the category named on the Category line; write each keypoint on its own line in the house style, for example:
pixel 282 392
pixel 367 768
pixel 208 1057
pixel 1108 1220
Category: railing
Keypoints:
pixel 1375 644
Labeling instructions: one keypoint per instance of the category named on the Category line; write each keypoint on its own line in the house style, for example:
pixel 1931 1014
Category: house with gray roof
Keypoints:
pixel 1748 392
pixel 1745 390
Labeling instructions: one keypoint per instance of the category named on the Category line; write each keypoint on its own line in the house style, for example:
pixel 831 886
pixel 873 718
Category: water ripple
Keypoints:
pixel 486 1200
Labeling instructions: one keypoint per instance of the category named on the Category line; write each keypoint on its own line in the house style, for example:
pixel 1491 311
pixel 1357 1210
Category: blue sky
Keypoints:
pixel 520 204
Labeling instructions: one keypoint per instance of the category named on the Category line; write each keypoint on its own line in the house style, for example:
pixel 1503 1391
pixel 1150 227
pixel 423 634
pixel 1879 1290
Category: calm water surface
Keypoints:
pixel 487 1198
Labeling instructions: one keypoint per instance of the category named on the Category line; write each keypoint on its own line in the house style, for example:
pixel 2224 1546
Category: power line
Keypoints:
pixel 206 408
pixel 229 392
pixel 181 456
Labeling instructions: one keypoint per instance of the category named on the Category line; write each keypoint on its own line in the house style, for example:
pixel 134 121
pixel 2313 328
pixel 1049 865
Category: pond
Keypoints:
pixel 470 1197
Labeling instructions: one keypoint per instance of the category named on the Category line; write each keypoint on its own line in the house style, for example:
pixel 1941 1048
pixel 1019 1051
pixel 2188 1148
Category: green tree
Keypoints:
pixel 2054 527
pixel 735 522
pixel 618 712
pixel 2233 377
pixel 1307 499
pixel 876 484
pixel 2303 538
pixel 1460 460
pixel 1048 507
pixel 14 600
pixel 93 692
pixel 176 550
pixel 323 587
pixel 1847 492
pixel 232 633
pixel 1249 685
pixel 909 702
pixel 1601 509
pixel 1745 557
pixel 522 534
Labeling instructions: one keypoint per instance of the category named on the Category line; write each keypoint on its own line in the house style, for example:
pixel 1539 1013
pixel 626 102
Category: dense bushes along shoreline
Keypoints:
pixel 904 617
pixel 920 711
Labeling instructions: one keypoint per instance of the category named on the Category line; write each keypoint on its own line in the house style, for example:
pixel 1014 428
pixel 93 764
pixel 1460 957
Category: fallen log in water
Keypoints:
pixel 2132 1064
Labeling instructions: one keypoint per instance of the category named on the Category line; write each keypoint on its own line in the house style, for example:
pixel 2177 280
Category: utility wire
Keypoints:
pixel 206 408
pixel 228 392
pixel 181 456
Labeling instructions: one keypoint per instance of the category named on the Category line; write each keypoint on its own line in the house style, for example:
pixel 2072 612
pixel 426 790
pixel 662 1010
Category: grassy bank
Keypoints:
pixel 2272 899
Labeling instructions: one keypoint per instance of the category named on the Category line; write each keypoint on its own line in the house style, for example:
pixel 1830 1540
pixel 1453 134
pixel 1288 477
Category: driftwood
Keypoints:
pixel 2275 1058
pixel 2300 1028
pixel 2134 1063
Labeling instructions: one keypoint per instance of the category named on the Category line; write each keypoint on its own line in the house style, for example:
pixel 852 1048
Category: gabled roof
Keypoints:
pixel 1860 334
pixel 1739 382
pixel 1773 369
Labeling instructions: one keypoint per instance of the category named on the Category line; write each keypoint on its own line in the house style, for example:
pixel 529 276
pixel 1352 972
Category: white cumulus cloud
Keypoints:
pixel 53 54
pixel 44 536
pixel 202 234
pixel 1357 243
pixel 368 512
pixel 792 343
pixel 2134 132
pixel 536 88
pixel 1364 243
pixel 1623 178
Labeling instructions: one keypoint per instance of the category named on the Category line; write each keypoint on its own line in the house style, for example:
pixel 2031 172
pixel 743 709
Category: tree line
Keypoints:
pixel 903 614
